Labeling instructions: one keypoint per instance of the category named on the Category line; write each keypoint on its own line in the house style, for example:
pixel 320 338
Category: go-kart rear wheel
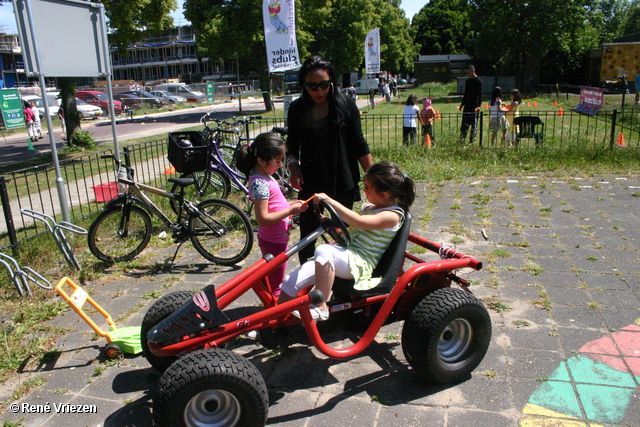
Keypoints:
pixel 447 335
pixel 211 387
pixel 160 310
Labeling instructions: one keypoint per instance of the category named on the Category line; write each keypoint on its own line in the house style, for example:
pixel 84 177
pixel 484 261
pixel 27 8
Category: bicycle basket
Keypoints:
pixel 184 158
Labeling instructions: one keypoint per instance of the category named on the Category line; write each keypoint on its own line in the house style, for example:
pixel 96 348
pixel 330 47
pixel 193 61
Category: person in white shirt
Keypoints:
pixel 409 123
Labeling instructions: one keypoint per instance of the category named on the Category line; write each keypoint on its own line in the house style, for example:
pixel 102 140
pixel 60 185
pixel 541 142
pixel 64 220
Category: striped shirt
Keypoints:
pixel 368 246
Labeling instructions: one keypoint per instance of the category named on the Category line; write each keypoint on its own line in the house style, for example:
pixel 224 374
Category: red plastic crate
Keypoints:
pixel 105 192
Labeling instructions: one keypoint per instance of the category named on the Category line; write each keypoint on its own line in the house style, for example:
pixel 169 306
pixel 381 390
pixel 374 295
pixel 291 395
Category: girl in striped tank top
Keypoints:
pixel 390 194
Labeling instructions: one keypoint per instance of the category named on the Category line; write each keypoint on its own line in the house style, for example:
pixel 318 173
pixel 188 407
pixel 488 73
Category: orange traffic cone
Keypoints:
pixel 560 112
pixel 535 104
pixel 170 170
pixel 620 140
pixel 427 141
pixel 555 102
pixel 528 104
pixel 437 115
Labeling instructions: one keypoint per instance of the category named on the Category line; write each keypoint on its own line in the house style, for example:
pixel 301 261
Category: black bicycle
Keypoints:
pixel 219 230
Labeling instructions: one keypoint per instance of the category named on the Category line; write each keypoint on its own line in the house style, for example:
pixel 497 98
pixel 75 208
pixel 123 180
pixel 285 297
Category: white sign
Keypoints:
pixel 372 52
pixel 279 18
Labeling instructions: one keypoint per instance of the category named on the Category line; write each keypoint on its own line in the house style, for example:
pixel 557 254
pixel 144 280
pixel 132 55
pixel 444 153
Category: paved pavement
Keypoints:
pixel 561 280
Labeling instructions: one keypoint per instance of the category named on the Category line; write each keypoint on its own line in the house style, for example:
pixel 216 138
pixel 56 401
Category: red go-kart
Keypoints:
pixel 445 335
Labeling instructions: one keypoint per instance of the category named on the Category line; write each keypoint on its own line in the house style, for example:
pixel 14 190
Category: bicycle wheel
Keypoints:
pixel 209 184
pixel 120 233
pixel 222 233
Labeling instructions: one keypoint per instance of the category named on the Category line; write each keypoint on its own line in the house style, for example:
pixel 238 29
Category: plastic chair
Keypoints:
pixel 529 127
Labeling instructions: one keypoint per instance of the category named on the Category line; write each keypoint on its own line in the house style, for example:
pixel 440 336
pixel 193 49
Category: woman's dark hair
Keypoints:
pixel 412 100
pixel 337 100
pixel 516 95
pixel 386 176
pixel 497 93
pixel 266 146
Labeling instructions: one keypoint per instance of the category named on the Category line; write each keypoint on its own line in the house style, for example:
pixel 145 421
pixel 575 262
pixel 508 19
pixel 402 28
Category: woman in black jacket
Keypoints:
pixel 325 143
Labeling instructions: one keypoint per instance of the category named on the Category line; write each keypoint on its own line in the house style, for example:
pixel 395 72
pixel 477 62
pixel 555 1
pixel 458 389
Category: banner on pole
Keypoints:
pixel 279 18
pixel 372 51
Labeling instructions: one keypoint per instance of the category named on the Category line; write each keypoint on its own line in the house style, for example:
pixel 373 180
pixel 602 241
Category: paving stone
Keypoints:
pixel 608 298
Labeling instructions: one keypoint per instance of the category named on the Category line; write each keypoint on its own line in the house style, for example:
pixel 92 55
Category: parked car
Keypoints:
pixel 99 99
pixel 147 98
pixel 182 89
pixel 28 99
pixel 87 111
pixel 171 99
pixel 132 101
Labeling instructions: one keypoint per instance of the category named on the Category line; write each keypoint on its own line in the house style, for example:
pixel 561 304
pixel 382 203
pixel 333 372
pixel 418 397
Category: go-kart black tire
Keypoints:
pixel 447 335
pixel 211 387
pixel 160 310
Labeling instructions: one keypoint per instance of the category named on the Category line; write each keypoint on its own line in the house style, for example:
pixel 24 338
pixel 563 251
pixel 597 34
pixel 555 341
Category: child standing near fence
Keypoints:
pixel 259 161
pixel 427 115
pixel 516 100
pixel 409 125
pixel 498 122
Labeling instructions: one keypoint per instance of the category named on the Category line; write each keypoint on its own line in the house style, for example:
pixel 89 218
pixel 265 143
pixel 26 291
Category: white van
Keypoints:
pixel 363 86
pixel 182 89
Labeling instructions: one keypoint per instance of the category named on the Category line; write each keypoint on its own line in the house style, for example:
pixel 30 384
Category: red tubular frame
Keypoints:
pixel 276 315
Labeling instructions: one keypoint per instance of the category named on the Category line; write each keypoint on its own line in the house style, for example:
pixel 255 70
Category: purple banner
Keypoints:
pixel 591 101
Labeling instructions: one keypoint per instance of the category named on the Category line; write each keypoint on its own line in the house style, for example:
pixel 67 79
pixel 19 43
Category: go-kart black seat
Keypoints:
pixel 388 268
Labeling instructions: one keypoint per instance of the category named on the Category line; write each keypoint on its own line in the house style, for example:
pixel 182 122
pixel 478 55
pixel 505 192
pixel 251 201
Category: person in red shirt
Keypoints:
pixel 30 122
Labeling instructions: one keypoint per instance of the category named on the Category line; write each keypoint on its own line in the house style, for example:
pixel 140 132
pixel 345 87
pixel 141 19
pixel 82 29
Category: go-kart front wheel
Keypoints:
pixel 160 310
pixel 447 335
pixel 211 387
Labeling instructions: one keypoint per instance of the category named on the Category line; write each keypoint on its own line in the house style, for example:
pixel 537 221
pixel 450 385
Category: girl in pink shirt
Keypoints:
pixel 258 161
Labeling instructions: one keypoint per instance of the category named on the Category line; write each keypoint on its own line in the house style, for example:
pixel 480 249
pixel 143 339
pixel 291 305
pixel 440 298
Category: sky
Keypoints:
pixel 8 21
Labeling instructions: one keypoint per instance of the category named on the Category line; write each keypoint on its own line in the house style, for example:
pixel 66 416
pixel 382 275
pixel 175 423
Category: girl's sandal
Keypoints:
pixel 317 314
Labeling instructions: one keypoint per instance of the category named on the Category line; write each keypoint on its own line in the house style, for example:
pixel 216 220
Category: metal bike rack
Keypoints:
pixel 21 276
pixel 56 230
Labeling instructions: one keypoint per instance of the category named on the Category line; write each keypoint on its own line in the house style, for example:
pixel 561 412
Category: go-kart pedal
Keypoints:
pixel 200 314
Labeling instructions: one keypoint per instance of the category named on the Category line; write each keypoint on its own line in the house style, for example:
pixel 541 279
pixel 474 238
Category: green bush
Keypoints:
pixel 82 138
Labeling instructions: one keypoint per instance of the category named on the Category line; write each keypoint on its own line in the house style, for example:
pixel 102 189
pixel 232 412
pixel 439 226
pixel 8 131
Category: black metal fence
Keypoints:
pixel 88 177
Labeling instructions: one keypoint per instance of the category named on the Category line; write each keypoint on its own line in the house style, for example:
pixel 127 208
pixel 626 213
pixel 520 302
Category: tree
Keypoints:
pixel 232 29
pixel 632 24
pixel 398 50
pixel 335 29
pixel 515 35
pixel 133 20
pixel 442 26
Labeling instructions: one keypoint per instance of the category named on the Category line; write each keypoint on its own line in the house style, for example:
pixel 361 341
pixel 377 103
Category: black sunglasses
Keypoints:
pixel 312 86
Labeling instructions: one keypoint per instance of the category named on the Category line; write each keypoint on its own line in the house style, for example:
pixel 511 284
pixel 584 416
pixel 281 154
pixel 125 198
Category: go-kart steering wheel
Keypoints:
pixel 333 222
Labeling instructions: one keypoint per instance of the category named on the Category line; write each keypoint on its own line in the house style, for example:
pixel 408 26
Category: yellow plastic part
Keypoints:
pixel 77 299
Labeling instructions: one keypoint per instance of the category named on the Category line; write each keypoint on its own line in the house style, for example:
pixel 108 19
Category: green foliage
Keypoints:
pixel 442 26
pixel 235 28
pixel 82 138
pixel 133 20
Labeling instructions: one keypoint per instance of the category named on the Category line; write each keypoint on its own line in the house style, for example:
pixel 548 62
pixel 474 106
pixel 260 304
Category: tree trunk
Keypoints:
pixel 68 101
